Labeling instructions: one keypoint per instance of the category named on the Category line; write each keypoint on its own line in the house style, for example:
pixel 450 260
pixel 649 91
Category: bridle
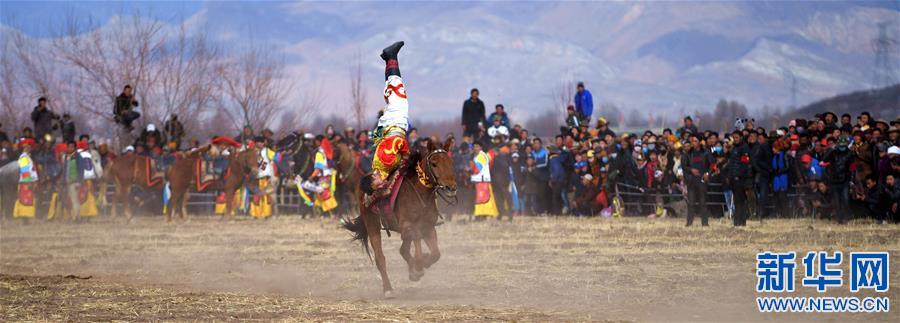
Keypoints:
pixel 431 181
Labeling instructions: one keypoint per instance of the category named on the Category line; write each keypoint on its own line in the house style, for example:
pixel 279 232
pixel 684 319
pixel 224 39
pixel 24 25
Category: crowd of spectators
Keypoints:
pixel 825 166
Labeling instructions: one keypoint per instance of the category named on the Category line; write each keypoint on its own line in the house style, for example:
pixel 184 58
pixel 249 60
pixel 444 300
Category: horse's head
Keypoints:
pixel 438 167
pixel 247 162
pixel 290 142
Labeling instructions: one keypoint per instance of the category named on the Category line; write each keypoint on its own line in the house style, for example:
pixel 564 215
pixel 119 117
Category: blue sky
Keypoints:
pixel 35 16
pixel 680 56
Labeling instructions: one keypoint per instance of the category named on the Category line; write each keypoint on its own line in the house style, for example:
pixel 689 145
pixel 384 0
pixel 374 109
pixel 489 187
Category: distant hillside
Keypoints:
pixel 882 103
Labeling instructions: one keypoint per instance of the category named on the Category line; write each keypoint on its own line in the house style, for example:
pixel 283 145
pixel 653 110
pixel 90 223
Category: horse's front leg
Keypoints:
pixel 432 243
pixel 418 261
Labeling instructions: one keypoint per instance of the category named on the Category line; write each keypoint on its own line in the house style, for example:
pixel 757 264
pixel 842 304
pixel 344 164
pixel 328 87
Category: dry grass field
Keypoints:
pixel 533 269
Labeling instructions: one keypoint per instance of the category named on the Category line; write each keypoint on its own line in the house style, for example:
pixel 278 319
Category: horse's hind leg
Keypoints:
pixel 374 232
pixel 431 242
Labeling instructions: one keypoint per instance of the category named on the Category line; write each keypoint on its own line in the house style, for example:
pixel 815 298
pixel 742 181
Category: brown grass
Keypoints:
pixel 286 268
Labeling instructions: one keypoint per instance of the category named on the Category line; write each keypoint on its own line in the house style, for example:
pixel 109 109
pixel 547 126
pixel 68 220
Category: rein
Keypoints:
pixel 428 179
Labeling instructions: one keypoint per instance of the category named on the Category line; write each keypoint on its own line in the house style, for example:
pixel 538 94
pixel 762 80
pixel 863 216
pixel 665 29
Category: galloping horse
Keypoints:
pixel 349 174
pixel 429 173
pixel 128 171
pixel 186 171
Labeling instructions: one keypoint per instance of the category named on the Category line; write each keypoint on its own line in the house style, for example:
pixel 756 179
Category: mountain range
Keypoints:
pixel 664 57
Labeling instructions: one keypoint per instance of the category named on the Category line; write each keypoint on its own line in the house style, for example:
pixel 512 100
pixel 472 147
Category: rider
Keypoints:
pixel 390 134
pixel 28 178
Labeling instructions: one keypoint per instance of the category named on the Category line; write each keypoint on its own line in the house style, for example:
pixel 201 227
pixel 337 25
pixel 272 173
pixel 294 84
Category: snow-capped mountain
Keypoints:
pixel 681 56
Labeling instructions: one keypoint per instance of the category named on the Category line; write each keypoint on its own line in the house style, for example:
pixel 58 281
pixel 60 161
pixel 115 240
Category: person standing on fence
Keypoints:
pixel 738 174
pixel 695 164
pixel 472 114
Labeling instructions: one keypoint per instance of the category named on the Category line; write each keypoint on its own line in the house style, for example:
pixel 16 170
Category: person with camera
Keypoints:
pixel 44 119
pixel 124 108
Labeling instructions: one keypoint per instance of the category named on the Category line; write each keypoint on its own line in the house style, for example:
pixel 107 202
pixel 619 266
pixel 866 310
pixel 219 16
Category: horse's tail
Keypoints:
pixel 359 231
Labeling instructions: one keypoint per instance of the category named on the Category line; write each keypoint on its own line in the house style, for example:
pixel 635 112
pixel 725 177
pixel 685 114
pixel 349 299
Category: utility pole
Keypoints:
pixel 883 75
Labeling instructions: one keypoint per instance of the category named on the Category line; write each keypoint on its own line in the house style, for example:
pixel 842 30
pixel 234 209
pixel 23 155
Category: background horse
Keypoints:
pixel 9 180
pixel 126 172
pixel 349 175
pixel 429 172
pixel 242 169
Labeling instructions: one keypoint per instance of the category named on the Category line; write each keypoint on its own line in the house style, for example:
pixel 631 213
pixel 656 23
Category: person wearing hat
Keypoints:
pixel 584 103
pixel 304 158
pixel 151 137
pixel 882 161
pixel 602 129
pixel 485 203
pixel 584 202
pixel 261 205
pixel 837 175
pixel 498 131
pixel 91 170
pixel 28 179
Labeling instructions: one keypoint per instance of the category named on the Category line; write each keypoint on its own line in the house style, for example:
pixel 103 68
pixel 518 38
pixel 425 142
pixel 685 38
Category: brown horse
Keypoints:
pixel 242 167
pixel 126 172
pixel 349 174
pixel 429 173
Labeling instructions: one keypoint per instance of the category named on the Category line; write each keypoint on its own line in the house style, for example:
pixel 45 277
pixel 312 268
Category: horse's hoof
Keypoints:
pixel 416 276
pixel 389 294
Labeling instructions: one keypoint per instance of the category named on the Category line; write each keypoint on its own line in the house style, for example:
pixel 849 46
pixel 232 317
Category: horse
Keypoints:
pixel 428 173
pixel 349 174
pixel 126 172
pixel 185 171
pixel 9 181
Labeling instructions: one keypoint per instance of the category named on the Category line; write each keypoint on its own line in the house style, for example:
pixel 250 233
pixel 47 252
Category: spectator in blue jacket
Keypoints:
pixel 584 103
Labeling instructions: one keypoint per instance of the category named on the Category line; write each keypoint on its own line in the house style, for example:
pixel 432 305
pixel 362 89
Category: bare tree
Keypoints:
pixel 12 107
pixel 105 59
pixel 184 80
pixel 563 94
pixel 312 100
pixel 358 104
pixel 254 86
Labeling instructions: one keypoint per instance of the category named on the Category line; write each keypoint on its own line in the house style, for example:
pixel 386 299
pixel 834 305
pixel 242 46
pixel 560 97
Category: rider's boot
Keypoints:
pixel 380 189
pixel 389 55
